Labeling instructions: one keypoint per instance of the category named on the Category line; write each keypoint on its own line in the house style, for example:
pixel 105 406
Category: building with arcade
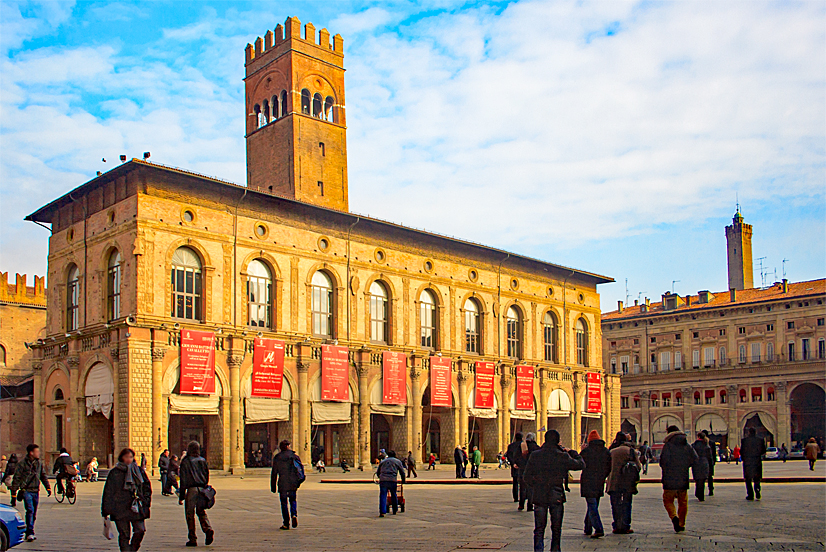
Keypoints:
pixel 184 307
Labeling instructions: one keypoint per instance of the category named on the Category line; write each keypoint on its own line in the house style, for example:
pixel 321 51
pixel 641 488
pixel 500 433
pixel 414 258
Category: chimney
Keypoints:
pixel 636 302
pixel 647 303
pixel 785 285
pixel 733 293
pixel 619 307
pixel 688 300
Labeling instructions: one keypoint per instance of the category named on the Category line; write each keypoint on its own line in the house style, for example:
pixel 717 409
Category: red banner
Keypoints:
pixel 334 373
pixel 394 368
pixel 267 368
pixel 440 382
pixel 197 362
pixel 484 385
pixel 594 389
pixel 524 388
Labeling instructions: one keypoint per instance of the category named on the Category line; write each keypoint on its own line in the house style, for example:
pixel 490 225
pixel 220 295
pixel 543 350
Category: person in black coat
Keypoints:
pixel 592 481
pixel 713 446
pixel 163 468
pixel 752 449
pixel 675 460
pixel 702 466
pixel 458 458
pixel 545 472
pixel 172 475
pixel 513 454
pixel 194 477
pixel 126 500
pixel 284 481
pixel 8 475
pixel 527 448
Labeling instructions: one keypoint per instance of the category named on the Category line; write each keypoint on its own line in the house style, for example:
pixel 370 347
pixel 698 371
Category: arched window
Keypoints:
pixel 305 101
pixel 259 294
pixel 259 117
pixel 322 304
pixel 581 342
pixel 113 286
pixel 742 354
pixel 2 356
pixel 73 299
pixel 265 111
pixel 427 319
pixel 328 108
pixel 473 326
pixel 549 333
pixel 187 293
pixel 513 321
pixel 378 312
pixel 317 105
pixel 283 103
pixel 722 354
pixel 58 394
pixel 274 108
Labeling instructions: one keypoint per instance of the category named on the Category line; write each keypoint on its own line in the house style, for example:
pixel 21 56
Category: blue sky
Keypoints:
pixel 608 136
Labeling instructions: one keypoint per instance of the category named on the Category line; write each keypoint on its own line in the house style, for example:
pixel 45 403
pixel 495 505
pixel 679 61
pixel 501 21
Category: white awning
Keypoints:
pixel 258 410
pixel 559 404
pixel 99 391
pixel 482 412
pixel 376 398
pixel 194 404
pixel 523 414
pixel 330 412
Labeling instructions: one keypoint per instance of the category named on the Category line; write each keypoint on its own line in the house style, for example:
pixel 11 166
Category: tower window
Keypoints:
pixel 265 112
pixel 283 103
pixel 323 150
pixel 274 108
pixel 305 102
pixel 258 116
pixel 317 105
pixel 321 187
pixel 328 109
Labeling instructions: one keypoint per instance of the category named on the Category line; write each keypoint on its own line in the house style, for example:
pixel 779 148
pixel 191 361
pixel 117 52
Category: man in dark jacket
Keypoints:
pixel 284 481
pixel 458 458
pixel 545 473
pixel 512 454
pixel 388 470
pixel 713 446
pixel 194 477
pixel 163 467
pixel 702 466
pixel 28 475
pixel 592 481
pixel 752 449
pixel 527 448
pixel 60 470
pixel 645 456
pixel 123 484
pixel 675 460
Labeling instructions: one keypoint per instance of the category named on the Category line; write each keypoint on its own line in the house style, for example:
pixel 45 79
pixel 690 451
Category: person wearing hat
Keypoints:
pixel 592 481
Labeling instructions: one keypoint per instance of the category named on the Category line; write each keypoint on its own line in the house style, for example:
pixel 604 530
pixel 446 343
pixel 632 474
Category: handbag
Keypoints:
pixel 206 497
pixel 108 533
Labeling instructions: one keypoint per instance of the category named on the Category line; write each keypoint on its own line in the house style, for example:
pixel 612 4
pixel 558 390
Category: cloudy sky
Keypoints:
pixel 609 136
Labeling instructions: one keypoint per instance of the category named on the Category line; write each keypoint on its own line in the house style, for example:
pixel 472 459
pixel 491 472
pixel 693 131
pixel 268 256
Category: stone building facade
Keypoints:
pixel 144 252
pixel 22 322
pixel 723 362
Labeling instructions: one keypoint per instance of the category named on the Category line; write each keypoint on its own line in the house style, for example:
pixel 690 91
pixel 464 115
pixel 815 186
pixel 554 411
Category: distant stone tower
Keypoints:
pixel 296 139
pixel 738 242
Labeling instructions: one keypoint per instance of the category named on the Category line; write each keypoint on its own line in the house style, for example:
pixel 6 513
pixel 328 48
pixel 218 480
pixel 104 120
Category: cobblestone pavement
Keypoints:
pixel 337 517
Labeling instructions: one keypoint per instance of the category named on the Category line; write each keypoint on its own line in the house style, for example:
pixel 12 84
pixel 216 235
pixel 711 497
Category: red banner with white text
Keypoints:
pixel 267 368
pixel 440 381
pixel 334 373
pixel 394 368
pixel 594 390
pixel 524 388
pixel 484 385
pixel 197 362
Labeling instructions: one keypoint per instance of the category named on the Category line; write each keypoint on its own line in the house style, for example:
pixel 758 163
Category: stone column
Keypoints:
pixel 462 377
pixel 576 434
pixel 645 416
pixel 733 422
pixel 688 407
pixel 37 402
pixel 303 408
pixel 784 430
pixel 236 426
pixel 506 380
pixel 607 408
pixel 542 411
pixel 416 415
pixel 364 412
pixel 72 412
pixel 158 422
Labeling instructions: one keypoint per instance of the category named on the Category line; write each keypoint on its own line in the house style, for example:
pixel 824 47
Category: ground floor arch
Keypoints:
pixel 808 413
pixel 764 425
pixel 628 427
pixel 715 425
pixel 659 429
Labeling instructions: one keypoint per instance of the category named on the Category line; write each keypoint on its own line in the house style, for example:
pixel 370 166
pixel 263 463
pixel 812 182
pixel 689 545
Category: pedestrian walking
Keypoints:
pixel 736 455
pixel 752 449
pixel 527 448
pixel 28 476
pixel 544 473
pixel 475 462
pixel 8 475
pixel 701 468
pixel 431 464
pixel 592 481
pixel 811 451
pixel 513 454
pixel 411 464
pixel 194 477
pixel 676 458
pixel 126 500
pixel 285 480
pixel 645 456
pixel 458 458
pixel 465 460
pixel 172 476
pixel 784 452
pixel 144 463
pixel 712 462
pixel 163 468
pixel 388 471
pixel 622 482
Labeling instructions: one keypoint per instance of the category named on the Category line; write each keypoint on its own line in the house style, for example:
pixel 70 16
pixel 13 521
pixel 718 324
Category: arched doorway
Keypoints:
pixel 659 429
pixel 195 418
pixel 559 415
pixel 715 425
pixel 266 422
pixel 439 426
pixel 808 409
pixel 628 428
pixel 432 443
pixel 100 427
pixel 482 426
pixel 379 435
pixel 332 429
pixel 763 426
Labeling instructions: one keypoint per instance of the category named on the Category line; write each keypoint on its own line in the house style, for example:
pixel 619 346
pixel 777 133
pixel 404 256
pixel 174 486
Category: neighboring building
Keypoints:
pixel 144 252
pixel 723 361
pixel 22 321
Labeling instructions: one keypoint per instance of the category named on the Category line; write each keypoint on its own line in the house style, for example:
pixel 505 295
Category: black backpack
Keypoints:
pixel 630 472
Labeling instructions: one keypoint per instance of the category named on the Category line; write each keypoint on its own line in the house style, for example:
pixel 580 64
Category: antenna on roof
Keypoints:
pixel 627 295
pixel 672 284
pixel 737 201
pixel 784 268
pixel 762 272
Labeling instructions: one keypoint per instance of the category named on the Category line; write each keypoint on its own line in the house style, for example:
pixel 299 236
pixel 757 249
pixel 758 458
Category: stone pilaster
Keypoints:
pixel 72 414
pixel 363 369
pixel 159 425
pixel 505 380
pixel 576 434
pixel 733 423
pixel 236 429
pixel 784 430
pixel 463 377
pixel 542 411
pixel 645 409
pixel 37 401
pixel 303 367
pixel 688 415
pixel 416 414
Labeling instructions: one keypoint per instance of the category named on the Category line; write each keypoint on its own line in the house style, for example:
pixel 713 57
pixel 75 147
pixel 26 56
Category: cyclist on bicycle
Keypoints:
pixel 64 467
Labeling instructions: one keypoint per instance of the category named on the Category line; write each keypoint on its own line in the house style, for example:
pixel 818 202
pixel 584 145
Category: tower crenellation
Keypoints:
pixel 738 245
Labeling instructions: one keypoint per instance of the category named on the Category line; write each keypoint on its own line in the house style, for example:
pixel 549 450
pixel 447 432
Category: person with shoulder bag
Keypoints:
pixel 126 500
pixel 622 482
pixel 285 479
pixel 676 459
pixel 194 479
pixel 25 486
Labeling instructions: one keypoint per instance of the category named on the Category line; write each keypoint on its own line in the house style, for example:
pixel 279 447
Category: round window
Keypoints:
pixel 260 230
pixel 380 255
pixel 428 266
pixel 188 215
pixel 581 298
pixel 550 291
pixel 473 275
pixel 323 244
pixel 70 235
pixel 514 284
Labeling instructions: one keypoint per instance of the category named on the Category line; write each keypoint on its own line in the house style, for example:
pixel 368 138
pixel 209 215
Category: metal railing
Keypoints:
pixel 659 367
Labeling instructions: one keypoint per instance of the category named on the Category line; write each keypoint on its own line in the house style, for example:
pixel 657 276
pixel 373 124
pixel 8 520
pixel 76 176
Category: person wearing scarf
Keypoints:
pixel 126 500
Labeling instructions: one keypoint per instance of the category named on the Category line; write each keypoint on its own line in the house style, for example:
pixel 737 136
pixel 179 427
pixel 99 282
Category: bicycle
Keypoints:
pixel 61 495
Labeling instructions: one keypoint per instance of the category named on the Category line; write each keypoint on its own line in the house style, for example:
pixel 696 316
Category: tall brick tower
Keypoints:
pixel 296 124
pixel 738 242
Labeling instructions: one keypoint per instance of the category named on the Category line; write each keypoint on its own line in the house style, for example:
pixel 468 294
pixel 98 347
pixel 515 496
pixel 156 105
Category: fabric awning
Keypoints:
pixel 666 395
pixel 559 404
pixel 376 402
pixel 326 413
pixel 523 414
pixel 709 394
pixel 99 391
pixel 260 410
pixel 756 390
pixel 194 404
pixel 482 412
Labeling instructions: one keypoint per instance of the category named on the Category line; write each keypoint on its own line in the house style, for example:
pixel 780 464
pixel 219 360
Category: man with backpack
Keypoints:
pixel 388 470
pixel 65 469
pixel 622 482
pixel 287 475
pixel 195 477
pixel 676 459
